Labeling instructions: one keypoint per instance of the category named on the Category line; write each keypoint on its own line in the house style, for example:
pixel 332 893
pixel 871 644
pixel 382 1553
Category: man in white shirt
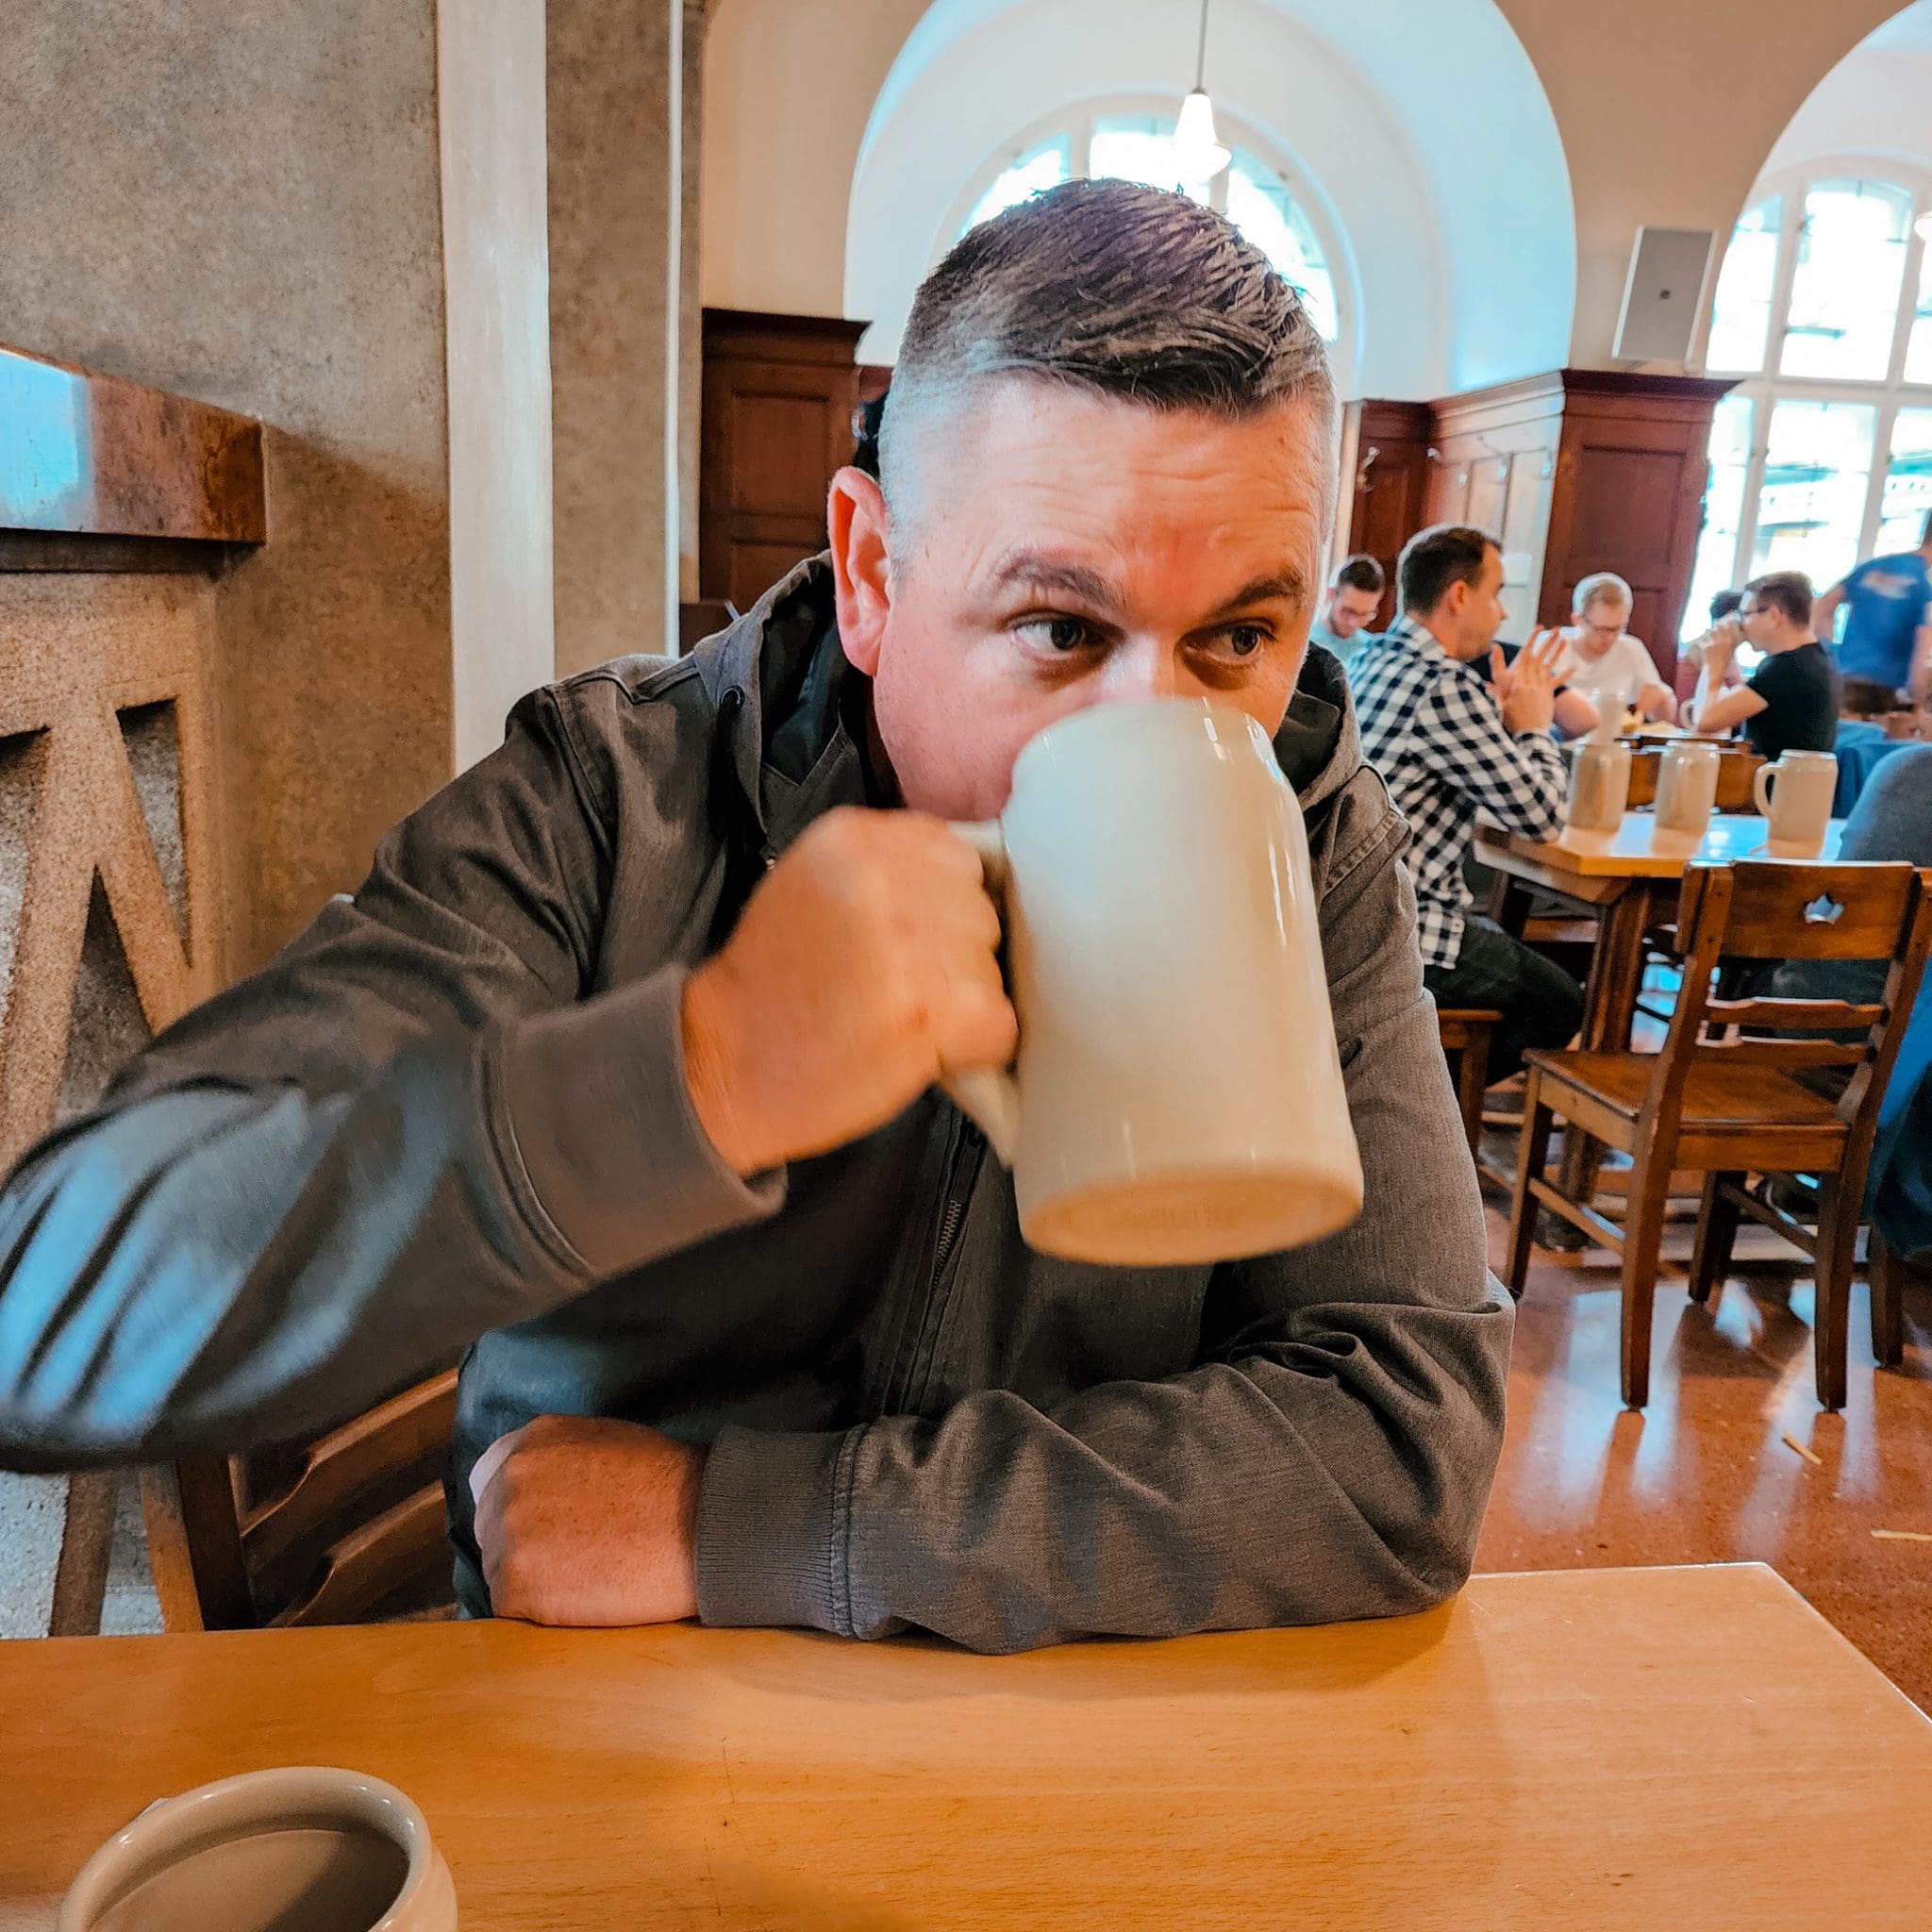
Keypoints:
pixel 1600 656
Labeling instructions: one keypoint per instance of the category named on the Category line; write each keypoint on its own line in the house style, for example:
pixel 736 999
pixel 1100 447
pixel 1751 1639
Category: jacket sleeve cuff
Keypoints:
pixel 602 1144
pixel 771 1529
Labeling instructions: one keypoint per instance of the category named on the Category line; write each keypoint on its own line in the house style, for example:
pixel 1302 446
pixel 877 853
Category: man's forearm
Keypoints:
pixel 1307 1488
pixel 215 1264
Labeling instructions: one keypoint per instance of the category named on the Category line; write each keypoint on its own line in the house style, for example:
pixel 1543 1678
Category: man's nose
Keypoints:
pixel 1146 668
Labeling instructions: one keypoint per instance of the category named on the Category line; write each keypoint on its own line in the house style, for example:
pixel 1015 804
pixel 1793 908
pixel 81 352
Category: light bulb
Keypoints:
pixel 1197 153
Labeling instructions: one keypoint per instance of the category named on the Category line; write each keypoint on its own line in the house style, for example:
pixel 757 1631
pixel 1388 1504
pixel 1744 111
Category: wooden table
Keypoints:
pixel 1630 877
pixel 1653 1748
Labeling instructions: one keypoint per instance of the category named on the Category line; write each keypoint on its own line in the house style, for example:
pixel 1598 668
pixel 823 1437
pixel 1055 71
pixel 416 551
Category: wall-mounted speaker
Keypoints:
pixel 1664 295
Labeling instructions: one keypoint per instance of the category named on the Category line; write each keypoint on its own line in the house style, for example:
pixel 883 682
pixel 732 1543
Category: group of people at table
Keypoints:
pixel 1463 730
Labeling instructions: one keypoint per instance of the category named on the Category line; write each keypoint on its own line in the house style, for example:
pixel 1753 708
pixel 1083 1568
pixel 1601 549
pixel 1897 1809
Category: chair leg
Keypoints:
pixel 1888 1304
pixel 1717 1233
pixel 1644 1230
pixel 1472 1079
pixel 1532 1155
pixel 1837 1235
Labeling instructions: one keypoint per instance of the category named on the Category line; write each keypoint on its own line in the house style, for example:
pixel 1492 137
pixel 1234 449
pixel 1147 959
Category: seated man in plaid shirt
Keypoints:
pixel 1454 747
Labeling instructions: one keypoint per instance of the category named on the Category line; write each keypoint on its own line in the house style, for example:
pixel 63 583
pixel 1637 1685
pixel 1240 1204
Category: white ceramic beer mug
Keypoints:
pixel 1599 786
pixel 306 1848
pixel 1177 1096
pixel 1795 796
pixel 1687 788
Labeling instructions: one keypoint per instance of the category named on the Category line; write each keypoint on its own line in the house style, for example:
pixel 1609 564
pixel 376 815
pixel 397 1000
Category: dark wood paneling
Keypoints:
pixel 778 395
pixel 86 457
pixel 1630 480
pixel 1493 468
pixel 1385 449
pixel 1576 471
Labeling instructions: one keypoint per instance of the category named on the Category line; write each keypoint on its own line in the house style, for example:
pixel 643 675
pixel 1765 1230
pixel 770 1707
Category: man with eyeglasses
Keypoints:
pixel 1789 703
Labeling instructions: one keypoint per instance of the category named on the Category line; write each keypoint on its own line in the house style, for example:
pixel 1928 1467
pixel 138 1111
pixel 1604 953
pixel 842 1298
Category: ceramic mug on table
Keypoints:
pixel 1795 796
pixel 1177 1096
pixel 301 1849
pixel 1687 788
pixel 1599 786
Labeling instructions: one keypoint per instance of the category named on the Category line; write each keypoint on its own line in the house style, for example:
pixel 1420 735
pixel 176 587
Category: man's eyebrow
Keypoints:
pixel 1287 584
pixel 1038 570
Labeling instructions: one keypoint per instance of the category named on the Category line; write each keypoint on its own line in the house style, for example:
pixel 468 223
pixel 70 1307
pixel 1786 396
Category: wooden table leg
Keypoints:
pixel 1609 1001
pixel 1509 902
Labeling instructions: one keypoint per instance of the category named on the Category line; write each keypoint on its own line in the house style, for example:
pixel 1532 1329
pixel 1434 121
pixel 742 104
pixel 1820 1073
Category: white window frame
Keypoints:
pixel 1764 388
pixel 1078 124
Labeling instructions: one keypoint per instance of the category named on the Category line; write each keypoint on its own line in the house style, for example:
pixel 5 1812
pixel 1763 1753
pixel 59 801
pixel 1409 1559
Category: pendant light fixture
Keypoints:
pixel 1197 150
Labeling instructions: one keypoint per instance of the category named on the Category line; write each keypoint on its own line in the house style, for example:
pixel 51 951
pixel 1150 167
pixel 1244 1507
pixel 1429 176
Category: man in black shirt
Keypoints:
pixel 1789 703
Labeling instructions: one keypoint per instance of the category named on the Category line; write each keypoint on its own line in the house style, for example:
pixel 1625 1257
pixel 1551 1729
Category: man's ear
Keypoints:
pixel 856 517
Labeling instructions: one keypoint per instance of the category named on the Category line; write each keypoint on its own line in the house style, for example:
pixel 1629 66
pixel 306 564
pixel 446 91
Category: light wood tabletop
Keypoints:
pixel 1654 1748
pixel 1638 849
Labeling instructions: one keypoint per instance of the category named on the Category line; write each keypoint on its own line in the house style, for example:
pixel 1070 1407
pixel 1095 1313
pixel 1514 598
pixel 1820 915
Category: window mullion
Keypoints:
pixel 1784 284
pixel 1762 403
pixel 1881 462
pixel 1909 295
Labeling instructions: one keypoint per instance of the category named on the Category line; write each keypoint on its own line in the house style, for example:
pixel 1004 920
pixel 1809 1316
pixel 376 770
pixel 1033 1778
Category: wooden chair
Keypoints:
pixel 1727 1105
pixel 1466 1032
pixel 320 1532
pixel 1891 1273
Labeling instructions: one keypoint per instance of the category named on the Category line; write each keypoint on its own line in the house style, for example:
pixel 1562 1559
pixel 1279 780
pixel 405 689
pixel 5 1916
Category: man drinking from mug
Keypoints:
pixel 1789 703
pixel 621 1066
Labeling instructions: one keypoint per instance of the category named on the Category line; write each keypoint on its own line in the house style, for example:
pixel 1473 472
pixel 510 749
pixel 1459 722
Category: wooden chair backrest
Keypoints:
pixel 1752 912
pixel 318 1532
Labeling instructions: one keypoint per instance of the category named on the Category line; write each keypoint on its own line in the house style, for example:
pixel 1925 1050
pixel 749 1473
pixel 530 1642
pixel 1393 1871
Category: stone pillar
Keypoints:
pixel 691 323
pixel 491 122
pixel 616 78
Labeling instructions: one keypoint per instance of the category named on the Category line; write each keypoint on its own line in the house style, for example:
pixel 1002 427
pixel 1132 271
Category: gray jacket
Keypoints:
pixel 452 1113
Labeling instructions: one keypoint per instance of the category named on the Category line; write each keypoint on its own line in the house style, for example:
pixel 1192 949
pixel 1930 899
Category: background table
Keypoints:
pixel 1631 879
pixel 1688 1747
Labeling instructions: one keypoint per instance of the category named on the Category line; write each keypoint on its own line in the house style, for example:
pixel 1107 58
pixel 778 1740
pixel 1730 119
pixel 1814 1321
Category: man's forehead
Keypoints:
pixel 1033 431
pixel 1118 486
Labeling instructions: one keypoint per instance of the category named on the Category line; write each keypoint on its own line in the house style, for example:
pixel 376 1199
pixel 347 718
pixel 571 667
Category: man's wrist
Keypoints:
pixel 706 1036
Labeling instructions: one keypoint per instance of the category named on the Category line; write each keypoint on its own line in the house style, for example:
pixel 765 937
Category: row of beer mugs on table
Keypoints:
pixel 1793 795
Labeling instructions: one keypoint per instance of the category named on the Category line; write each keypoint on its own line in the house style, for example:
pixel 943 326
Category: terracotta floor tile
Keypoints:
pixel 1703 1474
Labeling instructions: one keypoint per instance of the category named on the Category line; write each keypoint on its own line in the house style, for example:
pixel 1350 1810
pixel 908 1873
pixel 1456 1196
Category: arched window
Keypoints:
pixel 1822 454
pixel 1253 192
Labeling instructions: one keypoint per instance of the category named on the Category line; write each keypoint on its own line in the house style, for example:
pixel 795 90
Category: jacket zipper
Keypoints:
pixel 949 1233
pixel 962 1173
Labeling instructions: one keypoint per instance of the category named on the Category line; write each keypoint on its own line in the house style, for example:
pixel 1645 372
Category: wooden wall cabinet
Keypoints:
pixel 1579 471
pixel 778 396
pixel 1385 470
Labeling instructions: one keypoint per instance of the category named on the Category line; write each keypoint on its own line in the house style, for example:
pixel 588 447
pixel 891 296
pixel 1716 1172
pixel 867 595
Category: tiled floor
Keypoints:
pixel 1703 1474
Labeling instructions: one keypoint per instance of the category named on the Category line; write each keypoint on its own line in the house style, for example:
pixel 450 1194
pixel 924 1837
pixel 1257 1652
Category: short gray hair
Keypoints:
pixel 1109 286
pixel 1606 586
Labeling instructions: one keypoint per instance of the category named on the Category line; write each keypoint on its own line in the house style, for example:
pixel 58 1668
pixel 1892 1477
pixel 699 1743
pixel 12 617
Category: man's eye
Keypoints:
pixel 1245 640
pixel 1053 635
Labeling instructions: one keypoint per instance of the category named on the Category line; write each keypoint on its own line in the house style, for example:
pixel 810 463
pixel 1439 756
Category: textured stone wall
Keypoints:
pixel 241 202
